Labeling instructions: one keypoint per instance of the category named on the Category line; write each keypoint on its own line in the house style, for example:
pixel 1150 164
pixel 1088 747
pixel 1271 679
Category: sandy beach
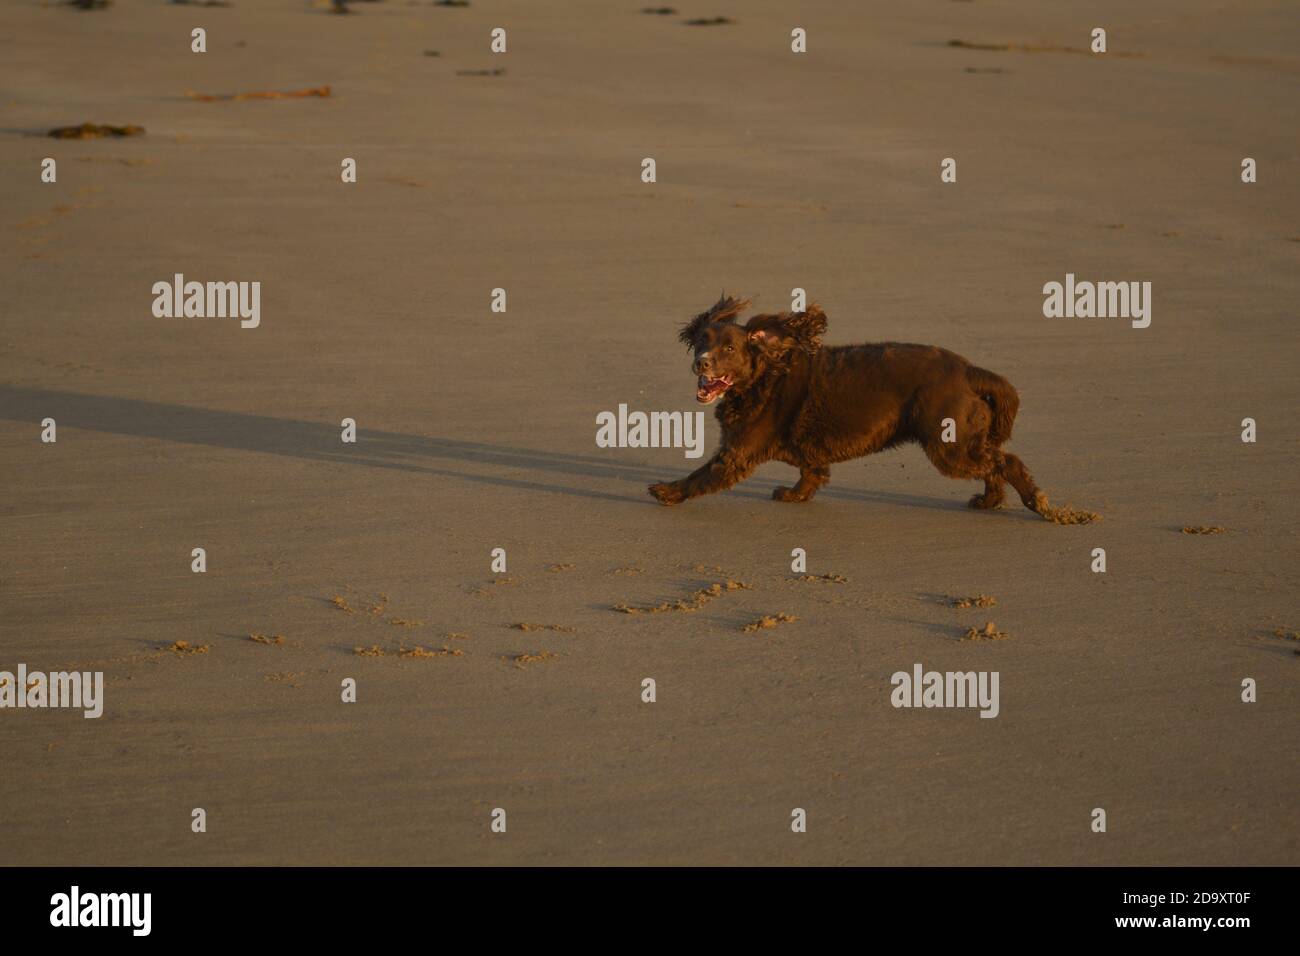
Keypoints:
pixel 475 430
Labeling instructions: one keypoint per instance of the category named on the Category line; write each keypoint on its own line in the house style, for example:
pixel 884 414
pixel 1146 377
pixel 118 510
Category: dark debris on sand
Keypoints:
pixel 94 131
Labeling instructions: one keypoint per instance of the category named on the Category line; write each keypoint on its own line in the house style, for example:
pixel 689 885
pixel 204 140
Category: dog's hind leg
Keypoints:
pixel 810 479
pixel 994 492
pixel 975 458
pixel 976 453
pixel 1014 471
pixel 987 459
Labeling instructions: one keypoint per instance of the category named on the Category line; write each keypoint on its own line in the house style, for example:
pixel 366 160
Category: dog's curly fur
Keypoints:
pixel 786 398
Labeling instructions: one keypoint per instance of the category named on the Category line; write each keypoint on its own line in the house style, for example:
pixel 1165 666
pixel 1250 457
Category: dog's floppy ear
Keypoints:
pixel 724 310
pixel 777 335
pixel 808 326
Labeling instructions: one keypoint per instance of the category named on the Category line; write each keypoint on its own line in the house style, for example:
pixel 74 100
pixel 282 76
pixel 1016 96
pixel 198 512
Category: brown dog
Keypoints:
pixel 784 397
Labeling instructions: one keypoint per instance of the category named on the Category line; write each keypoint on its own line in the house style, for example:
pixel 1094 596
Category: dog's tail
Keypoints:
pixel 1001 396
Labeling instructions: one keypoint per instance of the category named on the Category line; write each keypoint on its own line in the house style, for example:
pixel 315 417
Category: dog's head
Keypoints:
pixel 731 356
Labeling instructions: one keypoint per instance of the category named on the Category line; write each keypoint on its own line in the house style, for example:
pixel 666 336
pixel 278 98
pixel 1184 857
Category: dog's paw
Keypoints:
pixel 786 494
pixel 666 493
pixel 984 502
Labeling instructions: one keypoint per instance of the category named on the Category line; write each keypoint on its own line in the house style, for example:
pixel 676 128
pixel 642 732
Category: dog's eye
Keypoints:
pixel 729 348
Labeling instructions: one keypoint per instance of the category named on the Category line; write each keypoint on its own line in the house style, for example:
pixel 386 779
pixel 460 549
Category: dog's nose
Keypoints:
pixel 702 363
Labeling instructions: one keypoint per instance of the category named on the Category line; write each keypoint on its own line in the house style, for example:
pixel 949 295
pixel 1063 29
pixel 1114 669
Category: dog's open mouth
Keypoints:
pixel 710 388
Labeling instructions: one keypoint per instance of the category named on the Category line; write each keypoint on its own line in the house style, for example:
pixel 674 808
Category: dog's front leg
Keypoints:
pixel 719 473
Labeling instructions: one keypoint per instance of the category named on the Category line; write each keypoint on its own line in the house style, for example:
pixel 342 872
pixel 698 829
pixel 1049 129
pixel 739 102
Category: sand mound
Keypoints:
pixel 988 632
pixel 185 647
pixel 769 621
pixel 541 657
pixel 696 601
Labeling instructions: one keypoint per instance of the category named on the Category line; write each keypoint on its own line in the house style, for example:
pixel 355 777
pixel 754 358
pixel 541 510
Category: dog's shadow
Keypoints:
pixel 432 456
